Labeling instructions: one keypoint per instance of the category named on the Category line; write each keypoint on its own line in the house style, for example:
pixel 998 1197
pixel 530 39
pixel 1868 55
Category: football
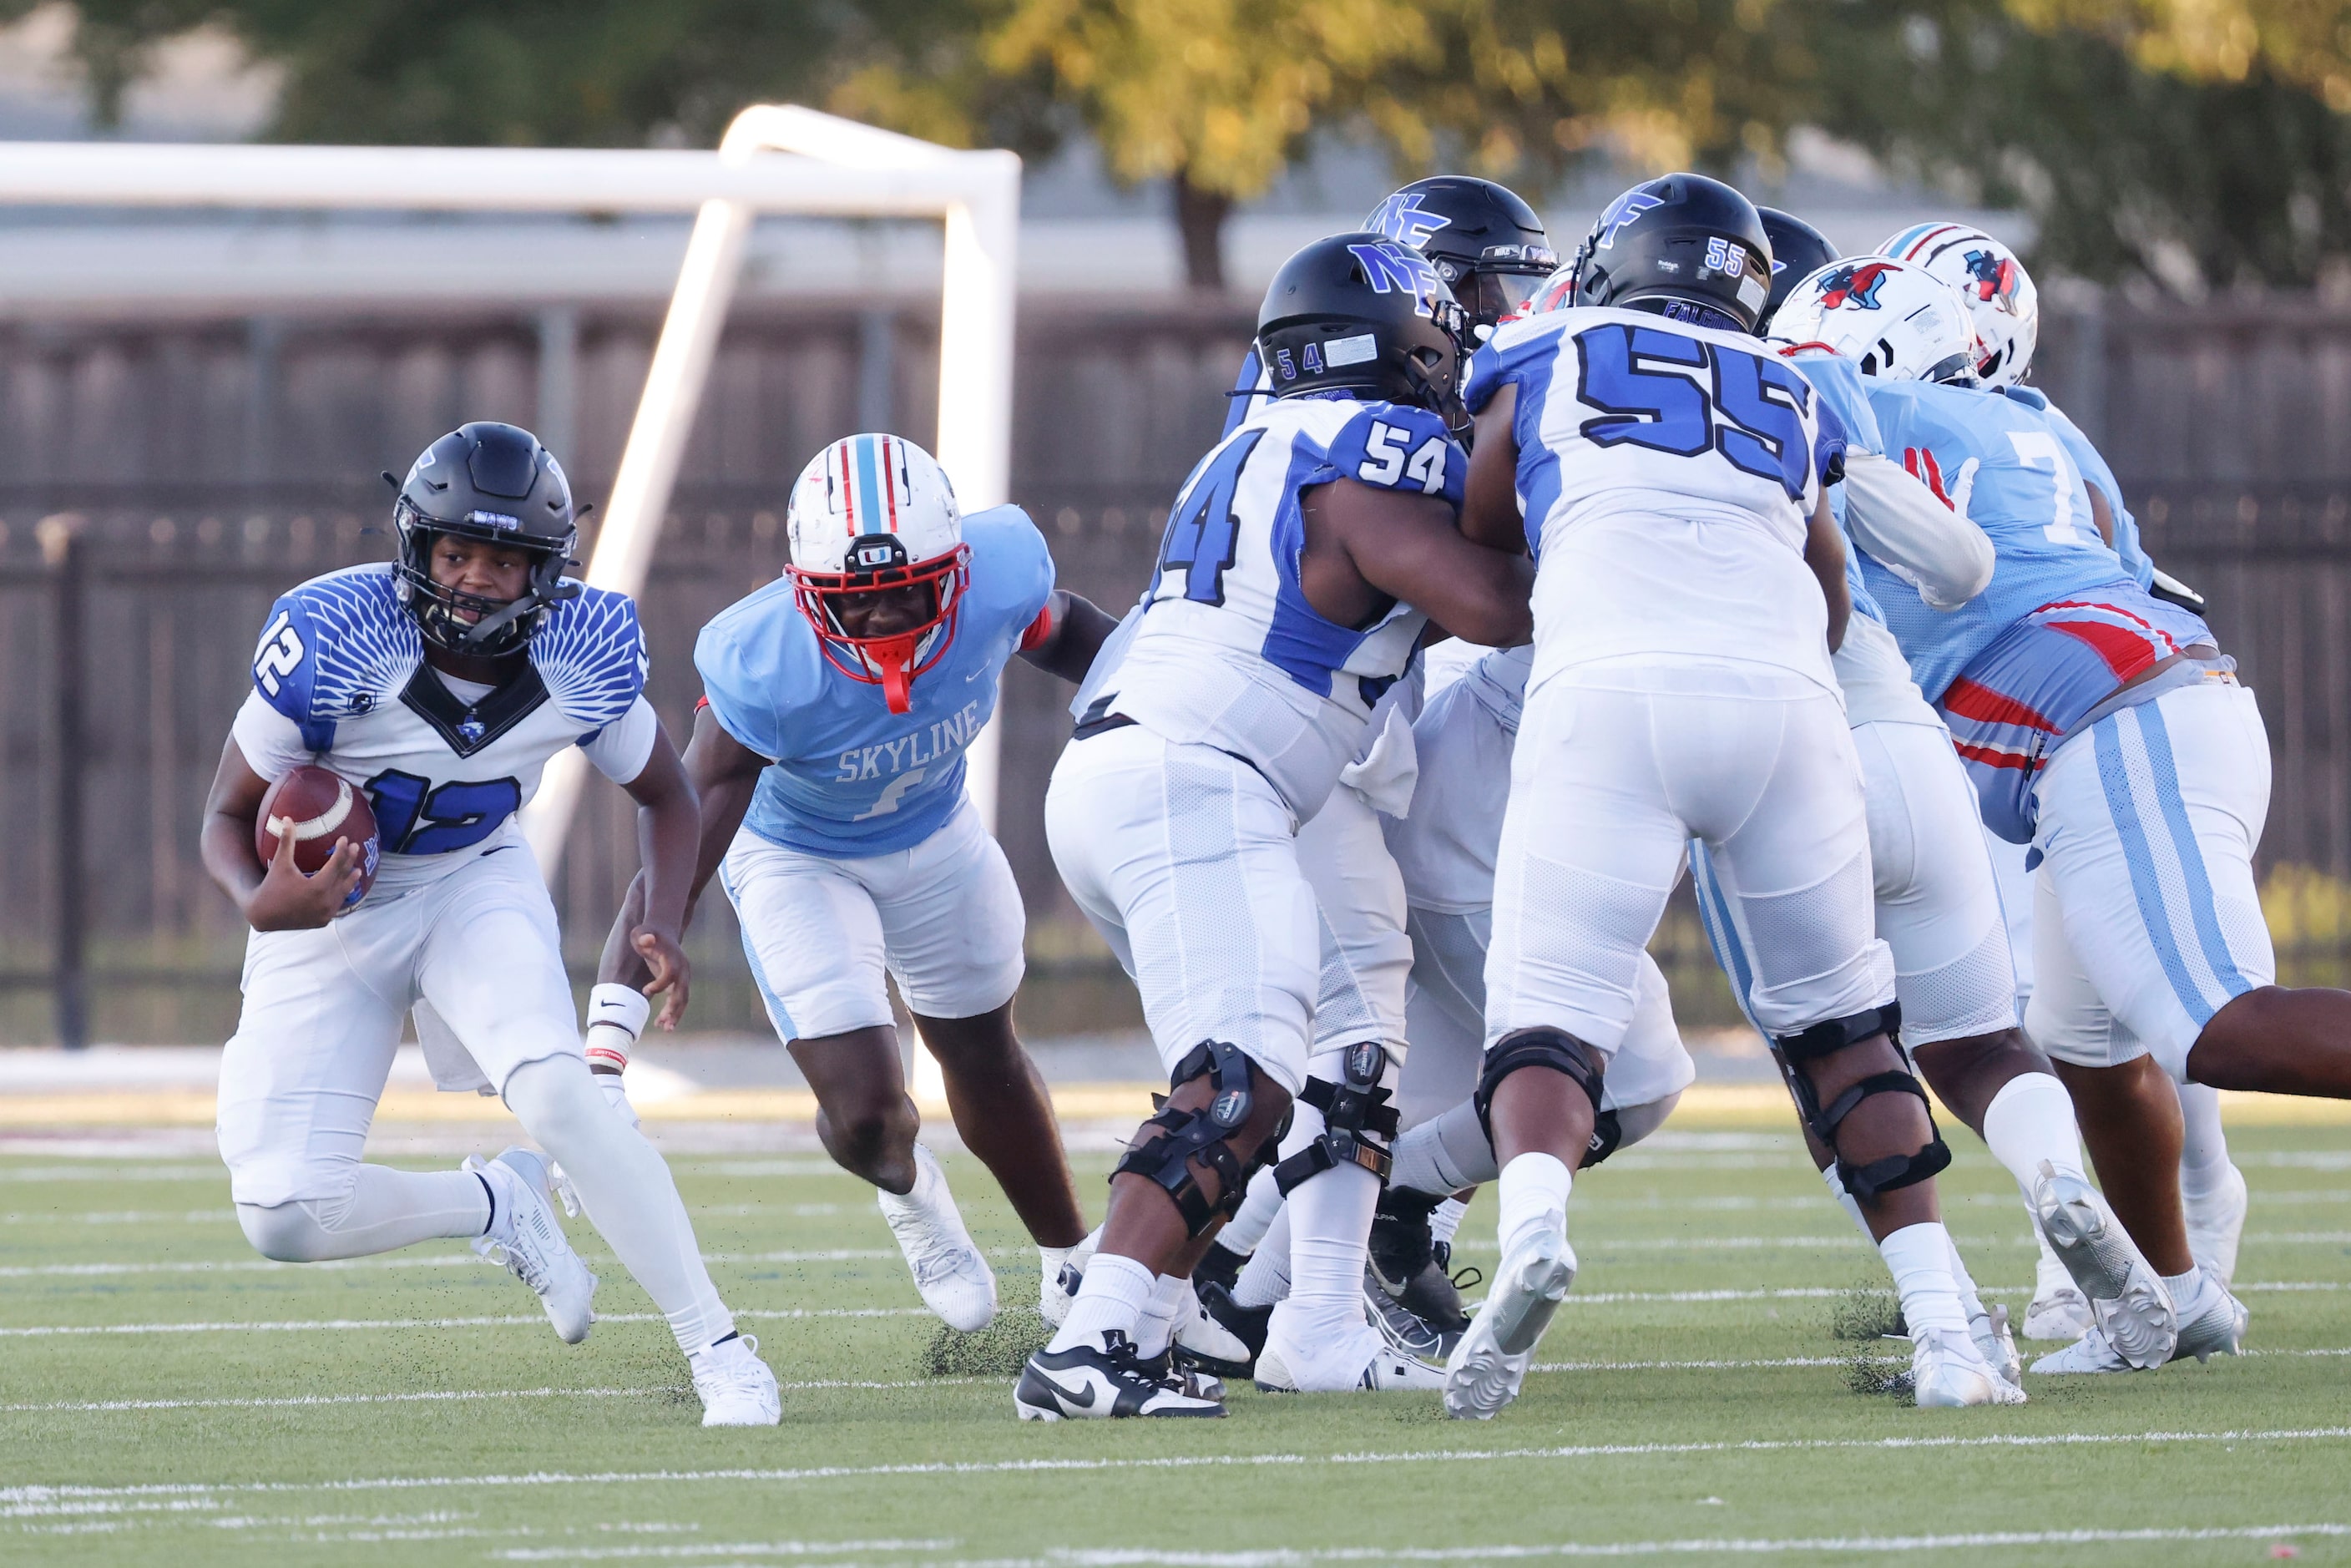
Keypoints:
pixel 317 807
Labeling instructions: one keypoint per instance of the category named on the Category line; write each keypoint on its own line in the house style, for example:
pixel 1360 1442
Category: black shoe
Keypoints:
pixel 1401 1243
pixel 1220 1265
pixel 1169 1372
pixel 1402 1329
pixel 1100 1383
pixel 1246 1324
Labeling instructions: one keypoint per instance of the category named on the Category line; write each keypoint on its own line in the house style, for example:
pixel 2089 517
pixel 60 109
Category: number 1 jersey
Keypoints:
pixel 340 680
pixel 1668 474
pixel 1226 651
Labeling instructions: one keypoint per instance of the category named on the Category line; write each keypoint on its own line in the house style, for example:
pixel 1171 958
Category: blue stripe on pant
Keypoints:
pixel 1722 933
pixel 2130 816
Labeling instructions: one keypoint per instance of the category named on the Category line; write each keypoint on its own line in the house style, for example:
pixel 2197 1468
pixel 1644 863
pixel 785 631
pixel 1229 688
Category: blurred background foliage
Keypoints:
pixel 2185 145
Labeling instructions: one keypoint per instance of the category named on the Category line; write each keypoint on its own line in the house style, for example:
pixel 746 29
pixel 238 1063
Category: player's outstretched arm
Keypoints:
pixel 1490 505
pixel 1902 523
pixel 1405 545
pixel 1824 553
pixel 277 897
pixel 1068 634
pixel 669 831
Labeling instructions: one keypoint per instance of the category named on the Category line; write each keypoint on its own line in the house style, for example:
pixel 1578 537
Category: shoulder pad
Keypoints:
pixel 1394 446
pixel 334 647
pixel 591 654
pixel 1018 564
pixel 2030 397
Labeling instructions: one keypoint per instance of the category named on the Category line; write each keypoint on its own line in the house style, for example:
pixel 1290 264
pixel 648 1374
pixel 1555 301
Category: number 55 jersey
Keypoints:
pixel 1668 474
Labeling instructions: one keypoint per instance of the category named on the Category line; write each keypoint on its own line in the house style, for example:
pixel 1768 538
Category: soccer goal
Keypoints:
pixel 774 158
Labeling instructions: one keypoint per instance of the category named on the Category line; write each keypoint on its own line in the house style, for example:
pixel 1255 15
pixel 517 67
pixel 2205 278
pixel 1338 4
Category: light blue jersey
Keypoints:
pixel 2001 463
pixel 2095 472
pixel 847 777
pixel 1843 392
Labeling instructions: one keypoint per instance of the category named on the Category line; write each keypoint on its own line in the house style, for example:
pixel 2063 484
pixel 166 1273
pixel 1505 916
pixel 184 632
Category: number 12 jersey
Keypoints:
pixel 1668 474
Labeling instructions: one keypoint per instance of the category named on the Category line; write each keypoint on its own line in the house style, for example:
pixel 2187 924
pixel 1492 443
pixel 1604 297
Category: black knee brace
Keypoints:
pixel 1895 1171
pixel 1552 1047
pixel 1606 1133
pixel 1353 1112
pixel 1200 1135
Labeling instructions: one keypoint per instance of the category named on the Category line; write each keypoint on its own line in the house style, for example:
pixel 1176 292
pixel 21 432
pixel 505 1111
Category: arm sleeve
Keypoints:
pixel 1900 522
pixel 272 743
pixel 619 749
pixel 1390 447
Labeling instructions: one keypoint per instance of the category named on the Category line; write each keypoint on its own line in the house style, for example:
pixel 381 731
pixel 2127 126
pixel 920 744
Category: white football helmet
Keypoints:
pixel 1999 292
pixel 1895 322
pixel 1556 292
pixel 874 516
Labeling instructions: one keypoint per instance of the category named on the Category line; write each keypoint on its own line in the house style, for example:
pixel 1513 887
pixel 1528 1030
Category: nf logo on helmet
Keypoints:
pixel 1403 220
pixel 1390 268
pixel 1621 214
pixel 1993 278
pixel 1856 286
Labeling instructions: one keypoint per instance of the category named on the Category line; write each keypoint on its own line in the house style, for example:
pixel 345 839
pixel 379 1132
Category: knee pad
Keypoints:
pixel 1552 1047
pixel 1200 1135
pixel 1895 1171
pixel 1355 1110
pixel 1607 1136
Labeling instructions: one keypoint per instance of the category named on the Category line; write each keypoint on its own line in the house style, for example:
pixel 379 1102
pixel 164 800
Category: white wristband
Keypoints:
pixel 616 1017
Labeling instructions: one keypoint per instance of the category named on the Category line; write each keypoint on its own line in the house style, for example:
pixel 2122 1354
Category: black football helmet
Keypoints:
pixel 1360 313
pixel 494 483
pixel 1683 246
pixel 1798 250
pixel 1485 242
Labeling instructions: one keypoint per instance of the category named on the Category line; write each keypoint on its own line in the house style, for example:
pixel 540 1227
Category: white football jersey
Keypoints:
pixel 339 681
pixel 1668 474
pixel 1225 650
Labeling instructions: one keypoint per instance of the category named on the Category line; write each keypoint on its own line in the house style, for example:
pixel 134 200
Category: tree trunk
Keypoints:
pixel 1200 217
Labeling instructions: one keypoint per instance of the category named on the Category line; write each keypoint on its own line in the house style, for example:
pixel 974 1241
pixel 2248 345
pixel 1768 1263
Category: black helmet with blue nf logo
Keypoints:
pixel 1684 246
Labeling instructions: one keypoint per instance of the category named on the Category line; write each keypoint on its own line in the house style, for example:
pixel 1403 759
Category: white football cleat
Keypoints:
pixel 2212 1321
pixel 1948 1373
pixel 2216 1223
pixel 1486 1369
pixel 1388 1372
pixel 2129 1304
pixel 1989 1328
pixel 1102 1382
pixel 737 1388
pixel 2062 1314
pixel 1203 1342
pixel 954 1278
pixel 524 1236
pixel 2090 1354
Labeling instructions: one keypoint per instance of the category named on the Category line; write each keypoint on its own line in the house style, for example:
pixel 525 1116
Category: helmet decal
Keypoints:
pixel 1621 214
pixel 1405 220
pixel 1392 268
pixel 1995 279
pixel 1852 283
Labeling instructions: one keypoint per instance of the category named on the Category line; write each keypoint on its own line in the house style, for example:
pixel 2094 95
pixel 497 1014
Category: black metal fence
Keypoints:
pixel 162 481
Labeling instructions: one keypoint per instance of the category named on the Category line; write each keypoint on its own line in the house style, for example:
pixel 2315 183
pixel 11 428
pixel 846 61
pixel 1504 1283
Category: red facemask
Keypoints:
pixel 892 662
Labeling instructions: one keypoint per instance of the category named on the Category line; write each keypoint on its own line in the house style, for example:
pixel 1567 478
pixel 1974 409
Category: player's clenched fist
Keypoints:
pixel 287 900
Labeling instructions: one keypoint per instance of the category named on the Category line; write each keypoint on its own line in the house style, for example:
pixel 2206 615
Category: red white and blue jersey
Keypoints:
pixel 846 778
pixel 1226 651
pixel 339 681
pixel 2063 624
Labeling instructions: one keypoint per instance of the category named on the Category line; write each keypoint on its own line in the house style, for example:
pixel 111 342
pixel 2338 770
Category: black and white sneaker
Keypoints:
pixel 1167 1370
pixel 1246 1324
pixel 1402 1329
pixel 1100 1383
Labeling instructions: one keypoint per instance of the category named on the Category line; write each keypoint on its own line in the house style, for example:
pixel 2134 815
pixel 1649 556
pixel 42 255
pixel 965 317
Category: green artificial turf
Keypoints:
pixel 209 1445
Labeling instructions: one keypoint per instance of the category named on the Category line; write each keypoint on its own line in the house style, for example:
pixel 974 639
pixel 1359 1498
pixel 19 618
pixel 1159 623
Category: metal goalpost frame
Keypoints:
pixel 829 167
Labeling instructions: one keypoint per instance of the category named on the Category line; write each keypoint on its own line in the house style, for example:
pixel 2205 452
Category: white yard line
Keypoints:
pixel 449 1395
pixel 50 1330
pixel 20 1495
pixel 411 1260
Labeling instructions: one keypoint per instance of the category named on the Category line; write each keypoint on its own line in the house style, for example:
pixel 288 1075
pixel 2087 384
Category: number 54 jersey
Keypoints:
pixel 1226 651
pixel 340 680
pixel 1668 474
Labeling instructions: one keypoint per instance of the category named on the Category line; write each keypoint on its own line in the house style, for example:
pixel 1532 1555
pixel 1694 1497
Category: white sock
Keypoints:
pixel 1242 1233
pixel 2029 1120
pixel 1846 1201
pixel 616 1017
pixel 1961 1281
pixel 2184 1289
pixel 927 1193
pixel 382 1210
pixel 2204 1150
pixel 1330 1236
pixel 1445 1219
pixel 627 1191
pixel 1171 1298
pixel 1533 1193
pixel 2049 1275
pixel 1050 1260
pixel 1115 1291
pixel 1264 1279
pixel 1919 1256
